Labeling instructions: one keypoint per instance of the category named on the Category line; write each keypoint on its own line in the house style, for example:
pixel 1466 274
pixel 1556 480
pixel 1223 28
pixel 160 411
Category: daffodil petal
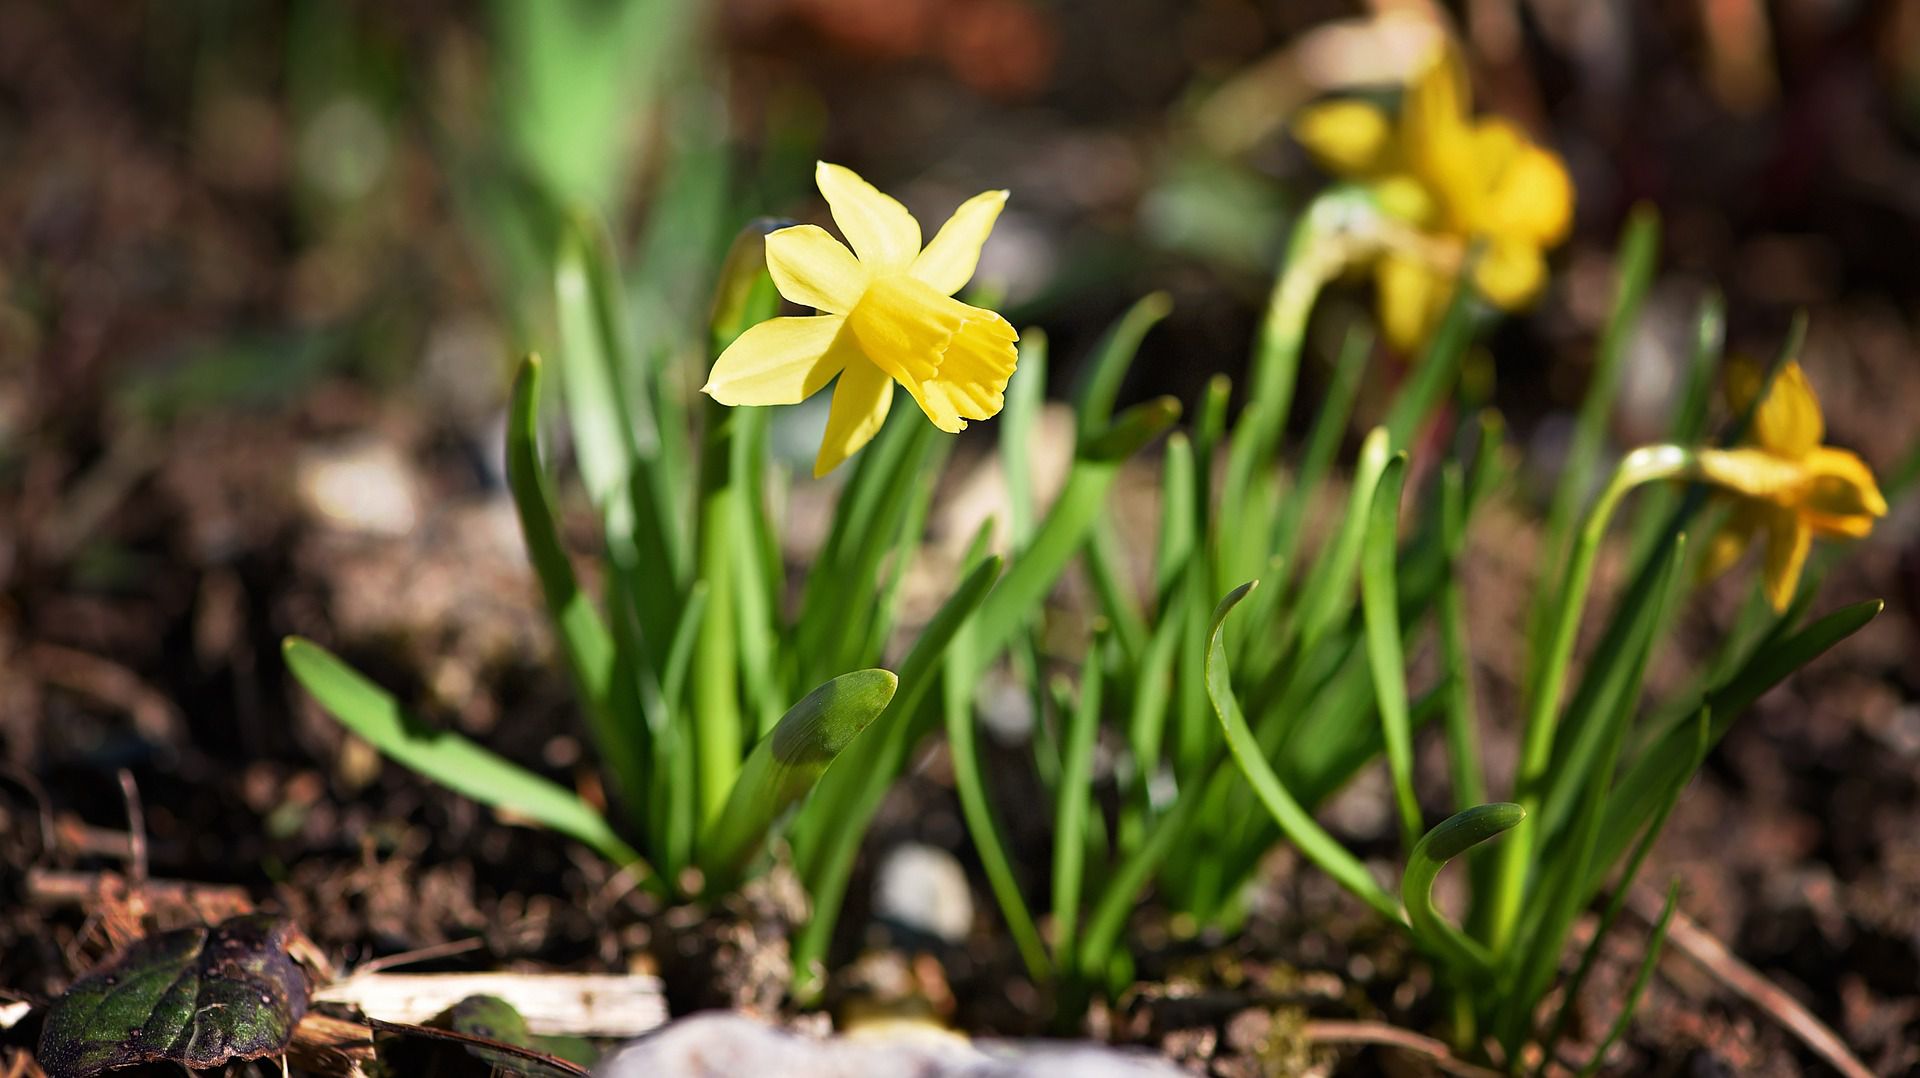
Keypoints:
pixel 1434 134
pixel 779 361
pixel 1788 541
pixel 882 232
pixel 1788 422
pixel 1346 137
pixel 861 400
pixel 1410 293
pixel 1532 198
pixel 1510 274
pixel 948 262
pixel 1842 485
pixel 813 269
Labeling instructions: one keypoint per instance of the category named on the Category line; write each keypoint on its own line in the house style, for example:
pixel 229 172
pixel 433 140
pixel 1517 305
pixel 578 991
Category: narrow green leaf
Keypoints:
pixel 1453 837
pixel 1327 595
pixel 1665 763
pixel 1462 717
pixel 1026 393
pixel 1071 810
pixel 1319 847
pixel 446 757
pixel 1639 250
pixel 1107 369
pixel 982 825
pixel 836 818
pixel 1438 365
pixel 1380 606
pixel 1655 940
pixel 583 636
pixel 785 765
pixel 1323 445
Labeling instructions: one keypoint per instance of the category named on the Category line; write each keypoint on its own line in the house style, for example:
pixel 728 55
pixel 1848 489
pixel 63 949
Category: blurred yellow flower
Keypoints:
pixel 887 316
pixel 1454 180
pixel 1791 487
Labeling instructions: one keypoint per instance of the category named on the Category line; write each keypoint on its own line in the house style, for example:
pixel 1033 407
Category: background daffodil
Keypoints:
pixel 1791 487
pixel 887 315
pixel 1455 180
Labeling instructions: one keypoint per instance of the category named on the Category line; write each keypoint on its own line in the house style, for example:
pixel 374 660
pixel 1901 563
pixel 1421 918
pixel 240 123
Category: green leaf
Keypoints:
pixel 446 757
pixel 1326 597
pixel 1070 813
pixel 583 636
pixel 1648 962
pixel 787 763
pixel 957 694
pixel 1666 763
pixel 1434 372
pixel 1639 250
pixel 1026 393
pixel 1100 387
pixel 1380 606
pixel 198 997
pixel 1453 837
pixel 1323 444
pixel 1319 847
pixel 827 838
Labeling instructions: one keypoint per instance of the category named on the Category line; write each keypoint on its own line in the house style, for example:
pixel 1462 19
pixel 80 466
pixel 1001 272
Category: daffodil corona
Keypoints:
pixel 1791 488
pixel 887 315
pixel 1451 180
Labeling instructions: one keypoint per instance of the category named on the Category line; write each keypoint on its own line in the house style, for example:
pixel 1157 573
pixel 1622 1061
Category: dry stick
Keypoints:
pixel 1748 983
pixel 136 831
pixel 1336 1032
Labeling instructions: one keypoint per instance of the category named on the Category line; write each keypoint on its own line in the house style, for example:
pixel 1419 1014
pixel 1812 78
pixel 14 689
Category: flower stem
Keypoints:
pixel 1643 465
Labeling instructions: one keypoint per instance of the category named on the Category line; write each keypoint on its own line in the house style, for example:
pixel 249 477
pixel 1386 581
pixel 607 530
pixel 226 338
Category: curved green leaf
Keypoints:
pixel 1453 837
pixel 786 764
pixel 1321 848
pixel 446 757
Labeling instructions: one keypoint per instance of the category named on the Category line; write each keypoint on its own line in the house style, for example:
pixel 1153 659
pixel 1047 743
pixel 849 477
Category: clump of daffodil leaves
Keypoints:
pixel 1789 487
pixel 887 315
pixel 1452 180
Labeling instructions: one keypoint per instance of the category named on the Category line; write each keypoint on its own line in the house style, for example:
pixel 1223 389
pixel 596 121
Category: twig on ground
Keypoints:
pixel 418 954
pixel 1749 984
pixel 1380 1033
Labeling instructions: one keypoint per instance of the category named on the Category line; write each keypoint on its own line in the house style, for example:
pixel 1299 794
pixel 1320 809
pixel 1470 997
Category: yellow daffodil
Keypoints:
pixel 1791 488
pixel 1452 180
pixel 887 315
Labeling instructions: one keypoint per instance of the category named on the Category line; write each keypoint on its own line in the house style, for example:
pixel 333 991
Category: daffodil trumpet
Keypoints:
pixel 887 316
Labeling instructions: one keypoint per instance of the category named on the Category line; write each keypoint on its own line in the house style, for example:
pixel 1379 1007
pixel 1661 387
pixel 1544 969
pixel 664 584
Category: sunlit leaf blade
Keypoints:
pixel 786 764
pixel 1453 837
pixel 969 783
pixel 1319 847
pixel 198 997
pixel 850 794
pixel 1071 810
pixel 583 636
pixel 446 757
pixel 1380 606
pixel 1112 357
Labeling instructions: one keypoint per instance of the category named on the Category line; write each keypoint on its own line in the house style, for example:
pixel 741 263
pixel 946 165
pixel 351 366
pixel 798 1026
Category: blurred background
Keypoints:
pixel 264 270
